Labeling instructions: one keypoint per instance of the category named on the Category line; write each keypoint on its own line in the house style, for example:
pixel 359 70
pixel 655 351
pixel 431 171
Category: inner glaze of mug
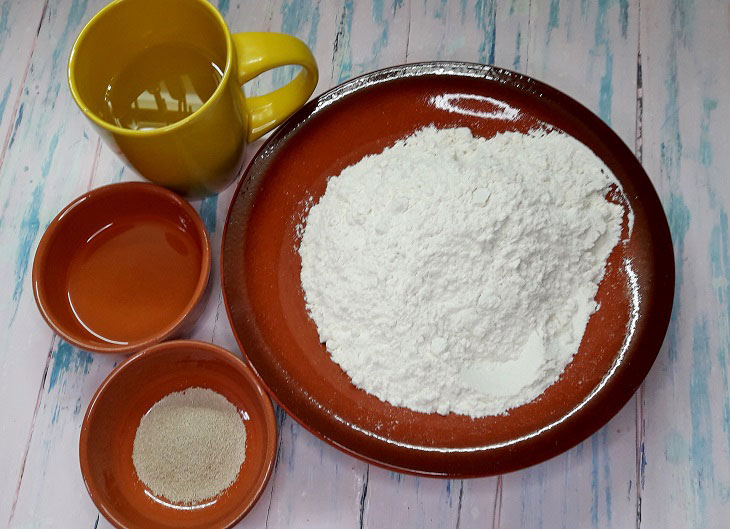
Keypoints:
pixel 124 30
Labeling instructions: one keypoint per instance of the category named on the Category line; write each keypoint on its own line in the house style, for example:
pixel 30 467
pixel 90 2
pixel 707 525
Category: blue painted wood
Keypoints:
pixel 590 52
pixel 685 116
pixel 655 71
pixel 43 164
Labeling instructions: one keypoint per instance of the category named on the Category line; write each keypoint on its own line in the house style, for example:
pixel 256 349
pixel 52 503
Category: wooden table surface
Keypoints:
pixel 658 72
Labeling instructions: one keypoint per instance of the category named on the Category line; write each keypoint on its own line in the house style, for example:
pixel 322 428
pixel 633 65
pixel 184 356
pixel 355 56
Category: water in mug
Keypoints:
pixel 162 85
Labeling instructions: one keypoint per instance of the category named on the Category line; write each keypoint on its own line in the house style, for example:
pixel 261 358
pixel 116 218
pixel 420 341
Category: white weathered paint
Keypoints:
pixel 673 437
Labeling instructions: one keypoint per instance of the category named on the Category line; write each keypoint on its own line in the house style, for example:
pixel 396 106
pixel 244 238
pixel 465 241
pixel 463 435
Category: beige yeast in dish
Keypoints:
pixel 190 445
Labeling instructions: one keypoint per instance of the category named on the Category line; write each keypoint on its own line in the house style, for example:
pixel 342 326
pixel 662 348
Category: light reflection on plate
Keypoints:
pixel 450 103
pixel 178 506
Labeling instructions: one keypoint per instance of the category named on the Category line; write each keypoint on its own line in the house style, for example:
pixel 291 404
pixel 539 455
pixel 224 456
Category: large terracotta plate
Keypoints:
pixel 264 298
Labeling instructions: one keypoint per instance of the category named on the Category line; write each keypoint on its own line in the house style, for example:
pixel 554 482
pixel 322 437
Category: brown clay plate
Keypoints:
pixel 263 295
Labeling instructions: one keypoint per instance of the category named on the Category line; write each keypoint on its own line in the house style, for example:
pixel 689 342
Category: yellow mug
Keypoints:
pixel 161 80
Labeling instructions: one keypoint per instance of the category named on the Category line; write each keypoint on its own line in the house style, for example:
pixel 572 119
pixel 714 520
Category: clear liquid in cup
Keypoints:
pixel 161 86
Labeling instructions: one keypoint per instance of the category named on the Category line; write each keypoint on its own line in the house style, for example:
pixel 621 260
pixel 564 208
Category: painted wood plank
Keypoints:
pixel 45 165
pixel 460 31
pixel 524 498
pixel 684 408
pixel 438 31
pixel 512 35
pixel 425 502
pixel 398 500
pixel 52 493
pixel 590 52
pixel 369 36
pixel 686 417
pixel 19 22
pixel 483 31
pixel 315 485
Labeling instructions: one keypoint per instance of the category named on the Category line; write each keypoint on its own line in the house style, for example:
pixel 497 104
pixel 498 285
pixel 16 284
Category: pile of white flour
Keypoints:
pixel 456 274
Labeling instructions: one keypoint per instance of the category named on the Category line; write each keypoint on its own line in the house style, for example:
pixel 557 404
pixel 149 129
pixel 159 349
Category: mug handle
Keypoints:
pixel 258 52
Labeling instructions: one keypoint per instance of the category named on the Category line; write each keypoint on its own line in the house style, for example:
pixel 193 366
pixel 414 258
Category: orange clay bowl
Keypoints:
pixel 122 267
pixel 111 421
pixel 265 302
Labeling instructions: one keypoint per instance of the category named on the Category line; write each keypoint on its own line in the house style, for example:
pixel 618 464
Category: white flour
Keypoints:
pixel 456 274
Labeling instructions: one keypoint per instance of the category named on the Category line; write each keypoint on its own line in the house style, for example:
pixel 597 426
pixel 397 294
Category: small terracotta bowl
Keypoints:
pixel 115 411
pixel 122 267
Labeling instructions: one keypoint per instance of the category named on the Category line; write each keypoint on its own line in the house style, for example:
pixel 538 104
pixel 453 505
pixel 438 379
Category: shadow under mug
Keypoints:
pixel 203 152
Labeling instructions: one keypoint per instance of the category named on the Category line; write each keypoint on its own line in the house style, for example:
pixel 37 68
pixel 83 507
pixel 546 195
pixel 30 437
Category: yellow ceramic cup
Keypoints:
pixel 203 152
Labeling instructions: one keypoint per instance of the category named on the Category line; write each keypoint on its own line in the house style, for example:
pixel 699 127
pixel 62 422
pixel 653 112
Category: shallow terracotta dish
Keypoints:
pixel 111 421
pixel 122 267
pixel 265 302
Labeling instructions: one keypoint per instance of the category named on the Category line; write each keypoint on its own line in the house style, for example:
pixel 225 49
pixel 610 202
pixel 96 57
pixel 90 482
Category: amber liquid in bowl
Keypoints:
pixel 124 268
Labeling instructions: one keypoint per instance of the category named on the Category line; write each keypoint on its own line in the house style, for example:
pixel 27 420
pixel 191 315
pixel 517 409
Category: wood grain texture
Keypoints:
pixel 686 411
pixel 18 36
pixel 588 50
pixel 657 72
pixel 46 164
